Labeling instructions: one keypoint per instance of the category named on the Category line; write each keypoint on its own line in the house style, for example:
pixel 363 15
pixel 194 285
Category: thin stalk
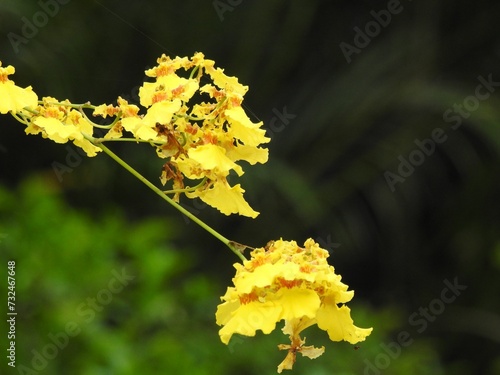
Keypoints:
pixel 233 246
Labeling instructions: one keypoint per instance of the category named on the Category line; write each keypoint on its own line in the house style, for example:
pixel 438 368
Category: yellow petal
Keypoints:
pixel 82 125
pixel 146 133
pixel 247 319
pixel 130 124
pixel 161 112
pixel 338 323
pixel 115 132
pixel 198 58
pixel 227 199
pixel 14 98
pixel 295 326
pixel 171 81
pixel 105 110
pixel 189 168
pixel 230 84
pixel 87 146
pixel 181 88
pixel 32 129
pixel 56 130
pixel 225 312
pixel 287 363
pixel 266 274
pixel 297 303
pixel 146 93
pixel 311 351
pixel 171 86
pixel 128 110
pixel 248 153
pixel 166 65
pixel 340 295
pixel 136 126
pixel 262 276
pixel 244 129
pixel 211 156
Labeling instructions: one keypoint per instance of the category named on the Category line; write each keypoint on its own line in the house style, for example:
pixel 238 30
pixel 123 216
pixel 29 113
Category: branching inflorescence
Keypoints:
pixel 192 114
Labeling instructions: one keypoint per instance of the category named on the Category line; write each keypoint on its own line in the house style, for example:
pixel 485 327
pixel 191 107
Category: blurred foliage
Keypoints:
pixel 162 319
pixel 325 179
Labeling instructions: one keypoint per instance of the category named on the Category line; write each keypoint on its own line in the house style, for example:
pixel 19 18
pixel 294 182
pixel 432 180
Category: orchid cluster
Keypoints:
pixel 202 142
pixel 192 114
pixel 284 281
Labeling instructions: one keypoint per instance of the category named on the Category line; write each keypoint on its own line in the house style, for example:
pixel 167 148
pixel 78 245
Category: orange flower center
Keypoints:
pixel 247 298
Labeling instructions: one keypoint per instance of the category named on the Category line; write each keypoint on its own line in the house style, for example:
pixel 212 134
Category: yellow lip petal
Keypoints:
pixel 227 199
pixel 211 156
pixel 14 98
pixel 249 318
pixel 338 323
pixel 298 302
pixel 56 130
pixel 244 129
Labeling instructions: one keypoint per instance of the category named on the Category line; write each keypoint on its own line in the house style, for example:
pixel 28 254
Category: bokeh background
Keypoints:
pixel 350 119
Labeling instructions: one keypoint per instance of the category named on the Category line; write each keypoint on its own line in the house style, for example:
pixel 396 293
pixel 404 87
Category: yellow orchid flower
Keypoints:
pixel 14 98
pixel 284 281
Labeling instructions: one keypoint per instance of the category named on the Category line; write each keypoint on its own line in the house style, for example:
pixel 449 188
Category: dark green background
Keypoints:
pixel 325 180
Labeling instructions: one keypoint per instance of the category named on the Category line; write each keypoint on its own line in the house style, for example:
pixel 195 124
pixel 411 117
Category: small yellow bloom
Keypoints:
pixel 229 84
pixel 134 123
pixel 284 281
pixel 50 122
pixel 54 129
pixel 84 127
pixel 62 124
pixel 168 84
pixel 166 66
pixel 14 98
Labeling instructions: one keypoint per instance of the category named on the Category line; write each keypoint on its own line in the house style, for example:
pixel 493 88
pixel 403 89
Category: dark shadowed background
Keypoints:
pixel 385 126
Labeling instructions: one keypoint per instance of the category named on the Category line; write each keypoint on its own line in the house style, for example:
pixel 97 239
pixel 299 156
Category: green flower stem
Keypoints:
pixel 188 189
pixel 135 140
pixel 18 116
pixel 71 105
pixel 233 246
